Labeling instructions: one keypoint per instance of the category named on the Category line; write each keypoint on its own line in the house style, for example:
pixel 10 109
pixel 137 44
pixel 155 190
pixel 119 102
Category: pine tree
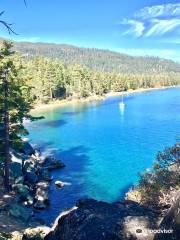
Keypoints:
pixel 15 104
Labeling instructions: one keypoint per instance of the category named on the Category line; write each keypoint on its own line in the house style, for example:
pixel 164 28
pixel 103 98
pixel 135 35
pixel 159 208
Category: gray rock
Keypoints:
pixel 15 169
pixel 22 190
pixel 103 221
pixel 19 180
pixel 27 148
pixel 59 184
pixel 28 166
pixel 41 195
pixel 40 205
pixel 42 184
pixel 37 233
pixel 45 175
pixel 171 222
pixel 51 163
pixel 5 236
pixel 31 178
pixel 19 211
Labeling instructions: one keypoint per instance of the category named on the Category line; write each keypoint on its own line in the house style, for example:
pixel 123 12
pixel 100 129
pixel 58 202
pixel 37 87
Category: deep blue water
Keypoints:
pixel 104 148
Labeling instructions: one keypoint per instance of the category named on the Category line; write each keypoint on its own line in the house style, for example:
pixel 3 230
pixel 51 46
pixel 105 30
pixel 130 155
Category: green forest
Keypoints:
pixel 61 71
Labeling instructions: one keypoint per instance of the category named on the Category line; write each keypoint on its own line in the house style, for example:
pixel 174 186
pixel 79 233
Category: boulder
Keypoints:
pixel 51 163
pixel 20 212
pixel 42 185
pixel 31 177
pixel 41 195
pixel 44 175
pixel 22 190
pixel 40 205
pixel 170 225
pixel 28 166
pixel 97 220
pixel 27 148
pixel 59 184
pixel 30 200
pixel 5 236
pixel 37 233
pixel 19 180
pixel 15 170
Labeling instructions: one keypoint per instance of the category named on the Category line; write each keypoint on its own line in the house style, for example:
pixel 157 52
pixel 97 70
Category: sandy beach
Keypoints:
pixel 66 102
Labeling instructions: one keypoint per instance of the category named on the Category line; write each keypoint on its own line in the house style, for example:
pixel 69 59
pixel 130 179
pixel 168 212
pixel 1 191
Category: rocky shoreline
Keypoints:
pixel 89 219
pixel 30 177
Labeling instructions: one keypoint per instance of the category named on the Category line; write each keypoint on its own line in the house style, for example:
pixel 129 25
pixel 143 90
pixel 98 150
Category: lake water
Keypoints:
pixel 105 148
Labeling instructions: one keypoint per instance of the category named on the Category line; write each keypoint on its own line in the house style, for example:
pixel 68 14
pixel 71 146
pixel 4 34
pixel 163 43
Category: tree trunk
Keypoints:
pixel 6 138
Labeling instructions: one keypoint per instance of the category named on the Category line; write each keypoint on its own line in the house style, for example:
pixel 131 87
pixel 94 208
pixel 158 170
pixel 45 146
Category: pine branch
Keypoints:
pixel 7 25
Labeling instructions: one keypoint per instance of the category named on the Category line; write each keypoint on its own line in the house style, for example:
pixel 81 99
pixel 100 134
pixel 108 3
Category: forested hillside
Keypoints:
pixel 62 71
pixel 98 60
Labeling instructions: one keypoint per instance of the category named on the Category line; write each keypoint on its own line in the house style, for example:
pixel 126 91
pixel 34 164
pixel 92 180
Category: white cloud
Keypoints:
pixel 136 26
pixel 164 10
pixel 154 21
pixel 161 27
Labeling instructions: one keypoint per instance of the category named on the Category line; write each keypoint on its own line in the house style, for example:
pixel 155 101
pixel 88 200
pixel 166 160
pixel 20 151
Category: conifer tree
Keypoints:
pixel 15 104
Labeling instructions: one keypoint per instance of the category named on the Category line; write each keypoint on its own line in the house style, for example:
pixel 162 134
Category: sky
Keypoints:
pixel 135 27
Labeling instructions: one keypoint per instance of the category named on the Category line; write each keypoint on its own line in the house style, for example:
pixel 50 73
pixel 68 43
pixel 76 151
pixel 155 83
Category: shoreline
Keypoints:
pixel 66 102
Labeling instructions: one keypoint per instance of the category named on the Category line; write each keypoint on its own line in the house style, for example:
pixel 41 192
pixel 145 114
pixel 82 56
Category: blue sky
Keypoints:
pixel 136 27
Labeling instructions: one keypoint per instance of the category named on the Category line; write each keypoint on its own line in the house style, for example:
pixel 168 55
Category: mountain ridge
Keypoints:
pixel 98 59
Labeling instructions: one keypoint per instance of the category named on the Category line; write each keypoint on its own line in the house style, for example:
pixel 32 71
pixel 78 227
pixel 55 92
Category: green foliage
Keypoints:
pixel 164 177
pixel 16 101
pixel 98 60
pixel 55 71
pixel 51 79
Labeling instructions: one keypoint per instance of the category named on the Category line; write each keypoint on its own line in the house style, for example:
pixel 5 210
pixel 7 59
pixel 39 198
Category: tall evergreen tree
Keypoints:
pixel 15 104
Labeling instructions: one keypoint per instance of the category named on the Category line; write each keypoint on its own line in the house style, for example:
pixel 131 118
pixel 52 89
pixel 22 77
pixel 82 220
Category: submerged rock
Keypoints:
pixel 51 163
pixel 40 205
pixel 103 221
pixel 44 175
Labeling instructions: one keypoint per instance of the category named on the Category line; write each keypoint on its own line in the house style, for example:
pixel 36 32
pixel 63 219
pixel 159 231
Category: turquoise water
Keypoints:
pixel 103 147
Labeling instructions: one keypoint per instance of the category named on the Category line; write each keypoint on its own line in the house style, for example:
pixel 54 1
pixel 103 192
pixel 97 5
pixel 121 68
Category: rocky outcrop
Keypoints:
pixel 20 211
pixel 41 195
pixel 27 149
pixel 22 190
pixel 170 225
pixel 127 220
pixel 103 221
pixel 37 233
pixel 50 163
pixel 30 174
